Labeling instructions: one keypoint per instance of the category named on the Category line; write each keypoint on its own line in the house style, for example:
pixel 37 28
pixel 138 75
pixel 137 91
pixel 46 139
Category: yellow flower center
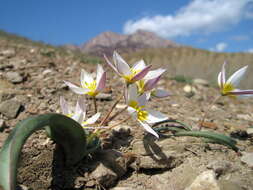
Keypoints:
pixel 129 77
pixel 228 87
pixel 92 87
pixel 70 115
pixel 142 115
pixel 140 84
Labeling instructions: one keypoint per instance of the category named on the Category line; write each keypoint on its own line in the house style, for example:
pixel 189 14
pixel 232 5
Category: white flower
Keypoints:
pixel 79 113
pixel 149 82
pixel 130 75
pixel 229 87
pixel 88 84
pixel 136 107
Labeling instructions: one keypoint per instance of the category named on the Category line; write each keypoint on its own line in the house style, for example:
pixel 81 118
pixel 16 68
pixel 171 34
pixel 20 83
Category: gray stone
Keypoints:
pixel 200 82
pixel 14 77
pixel 103 96
pixel 247 158
pixel 10 108
pixel 104 176
pixel 7 53
pixel 220 167
pixel 205 181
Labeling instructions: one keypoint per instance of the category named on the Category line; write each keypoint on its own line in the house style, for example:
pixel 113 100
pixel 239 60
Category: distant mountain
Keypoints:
pixel 107 42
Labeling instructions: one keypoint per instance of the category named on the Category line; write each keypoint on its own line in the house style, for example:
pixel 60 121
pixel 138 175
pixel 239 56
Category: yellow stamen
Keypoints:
pixel 141 114
pixel 129 77
pixel 228 87
pixel 92 87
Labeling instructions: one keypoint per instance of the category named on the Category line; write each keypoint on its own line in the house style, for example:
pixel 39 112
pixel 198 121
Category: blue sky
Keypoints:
pixel 217 25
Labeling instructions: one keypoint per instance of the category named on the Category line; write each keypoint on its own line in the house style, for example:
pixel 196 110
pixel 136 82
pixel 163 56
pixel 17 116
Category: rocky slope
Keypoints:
pixel 107 42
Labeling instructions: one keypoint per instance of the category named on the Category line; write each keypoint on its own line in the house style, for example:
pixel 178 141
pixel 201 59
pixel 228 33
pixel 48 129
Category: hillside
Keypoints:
pixel 195 63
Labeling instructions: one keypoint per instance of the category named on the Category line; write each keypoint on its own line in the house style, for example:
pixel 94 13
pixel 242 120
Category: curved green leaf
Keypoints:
pixel 215 137
pixel 64 130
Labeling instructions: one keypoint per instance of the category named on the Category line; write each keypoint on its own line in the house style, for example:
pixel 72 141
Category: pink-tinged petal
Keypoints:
pixel 151 83
pixel 86 77
pixel 132 93
pixel 122 67
pixel 140 75
pixel 78 117
pixel 101 81
pixel 64 106
pixel 76 89
pixel 223 75
pixel 93 119
pixel 155 116
pixel 159 93
pixel 241 92
pixel 149 129
pixel 139 65
pixel 237 76
pixel 132 112
pixel 154 74
pixel 111 65
pixel 80 111
pixel 142 100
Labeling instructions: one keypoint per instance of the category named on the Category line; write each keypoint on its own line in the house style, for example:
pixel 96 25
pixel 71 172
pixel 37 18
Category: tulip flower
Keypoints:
pixel 229 87
pixel 130 75
pixel 136 108
pixel 88 84
pixel 149 82
pixel 79 113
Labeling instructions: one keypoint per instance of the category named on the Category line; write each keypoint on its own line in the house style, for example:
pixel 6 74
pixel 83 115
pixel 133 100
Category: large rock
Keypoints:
pixel 14 77
pixel 10 108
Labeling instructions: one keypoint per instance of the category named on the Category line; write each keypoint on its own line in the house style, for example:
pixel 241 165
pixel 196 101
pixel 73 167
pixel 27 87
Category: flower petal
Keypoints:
pixel 122 67
pixel 141 74
pixel 241 92
pixel 64 106
pixel 101 78
pixel 76 89
pixel 86 77
pixel 139 65
pixel 155 116
pixel 151 83
pixel 154 74
pixel 132 93
pixel 142 100
pixel 132 111
pixel 149 129
pixel 160 93
pixel 93 119
pixel 111 65
pixel 237 76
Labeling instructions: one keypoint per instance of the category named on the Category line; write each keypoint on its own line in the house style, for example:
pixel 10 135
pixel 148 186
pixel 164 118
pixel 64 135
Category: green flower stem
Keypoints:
pixel 65 131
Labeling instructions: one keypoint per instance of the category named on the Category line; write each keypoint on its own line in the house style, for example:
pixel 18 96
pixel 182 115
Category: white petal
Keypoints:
pixel 155 116
pixel 154 74
pixel 64 106
pixel 160 93
pixel 122 67
pixel 148 129
pixel 131 111
pixel 237 76
pixel 142 100
pixel 86 77
pixel 132 93
pixel 111 65
pixel 78 117
pixel 139 65
pixel 101 78
pixel 93 119
pixel 76 89
pixel 219 79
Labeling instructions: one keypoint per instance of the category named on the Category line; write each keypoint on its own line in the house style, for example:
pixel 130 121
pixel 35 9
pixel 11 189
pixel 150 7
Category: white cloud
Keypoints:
pixel 220 47
pixel 199 16
pixel 250 50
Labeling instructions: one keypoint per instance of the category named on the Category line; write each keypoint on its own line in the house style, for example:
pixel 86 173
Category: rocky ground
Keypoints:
pixel 31 82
